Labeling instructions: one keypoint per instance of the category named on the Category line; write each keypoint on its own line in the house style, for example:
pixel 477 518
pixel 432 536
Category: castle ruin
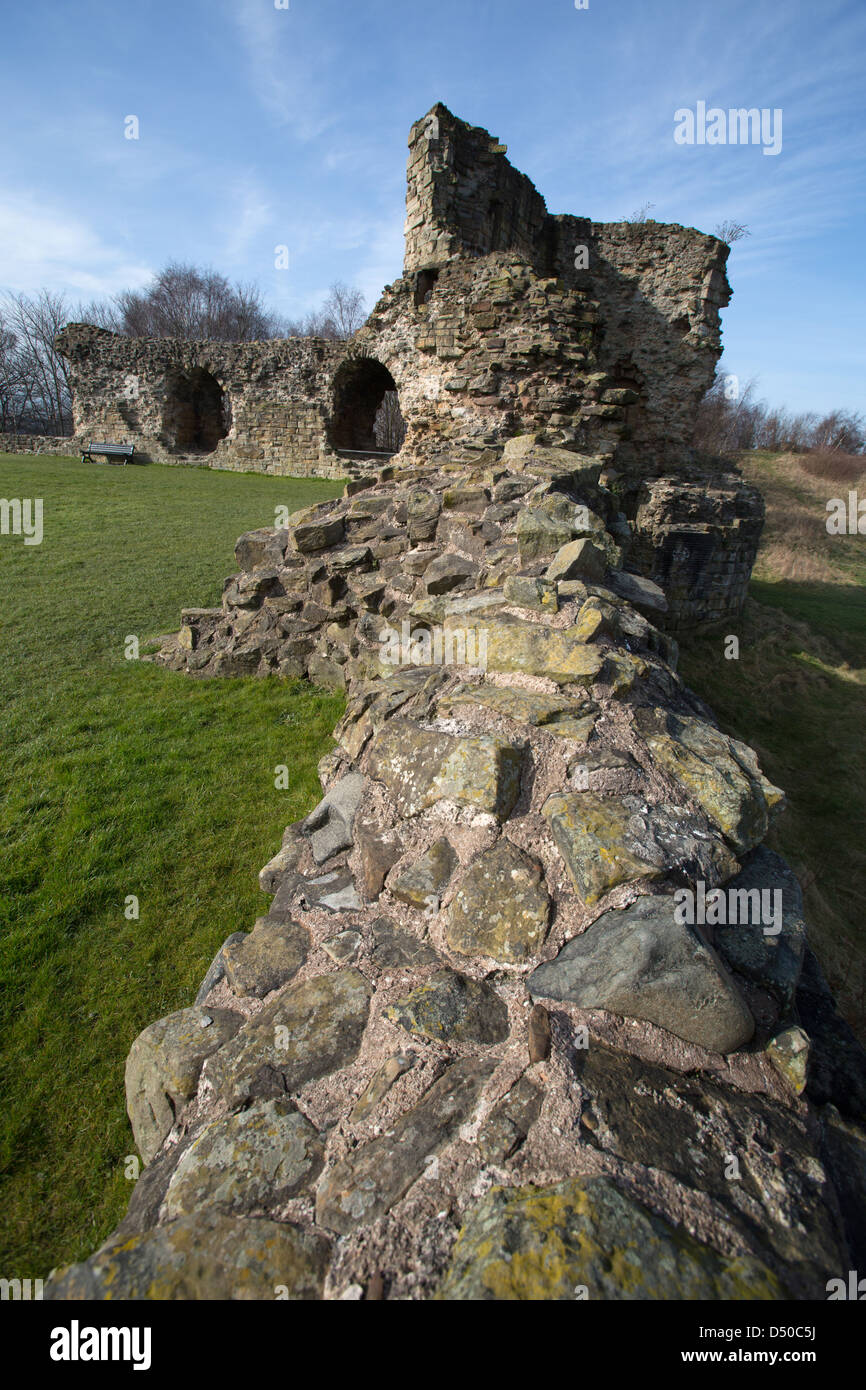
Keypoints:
pixel 488 1041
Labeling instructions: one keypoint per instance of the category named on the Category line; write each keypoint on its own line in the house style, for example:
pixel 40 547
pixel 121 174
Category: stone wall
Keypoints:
pixel 38 444
pixel 153 393
pixel 531 1013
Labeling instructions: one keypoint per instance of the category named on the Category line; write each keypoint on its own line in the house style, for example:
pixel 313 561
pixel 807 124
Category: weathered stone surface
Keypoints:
pixel 265 546
pixel 642 963
pixel 538 1034
pixel 308 1030
pixel 343 947
pixel 317 535
pixel 397 949
pixel 607 841
pixel 367 1183
pixel 531 648
pixel 591 835
pixel 217 968
pixel 638 590
pixel 380 1084
pixel 539 533
pixel 256 1159
pixel 502 908
pixel 449 1007
pixel 284 862
pixel 270 956
pixel 335 891
pixel 423 513
pixel 329 826
pixel 721 774
pixel 421 884
pixel 524 706
pixel 448 572
pixel 789 1053
pixel 379 851
pixel 510 1121
pixel 421 766
pixel 163 1068
pixel 774 958
pixel 585 1238
pixel 580 559
pixel 531 593
pixel 691 1126
pixel 206 1255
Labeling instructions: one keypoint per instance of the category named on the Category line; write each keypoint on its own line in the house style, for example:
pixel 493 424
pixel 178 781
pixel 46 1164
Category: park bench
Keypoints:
pixel 108 451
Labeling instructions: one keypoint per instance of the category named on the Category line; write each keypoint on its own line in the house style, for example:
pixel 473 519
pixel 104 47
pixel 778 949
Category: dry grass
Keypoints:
pixel 835 467
pixel 796 544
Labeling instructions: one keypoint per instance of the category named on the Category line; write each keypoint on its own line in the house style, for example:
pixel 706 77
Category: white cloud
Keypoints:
pixel 43 245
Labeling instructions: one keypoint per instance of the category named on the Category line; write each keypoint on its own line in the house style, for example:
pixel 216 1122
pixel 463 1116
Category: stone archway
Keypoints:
pixel 196 414
pixel 365 409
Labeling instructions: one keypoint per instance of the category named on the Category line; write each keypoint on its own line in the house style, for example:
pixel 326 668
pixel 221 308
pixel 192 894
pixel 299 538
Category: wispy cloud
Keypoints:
pixel 280 74
pixel 250 213
pixel 43 244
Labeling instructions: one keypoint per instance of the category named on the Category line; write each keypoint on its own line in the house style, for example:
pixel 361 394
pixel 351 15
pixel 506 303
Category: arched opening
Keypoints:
pixel 366 417
pixel 196 415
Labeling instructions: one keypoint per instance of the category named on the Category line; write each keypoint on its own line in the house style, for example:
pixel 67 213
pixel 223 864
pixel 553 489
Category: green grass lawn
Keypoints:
pixel 797 694
pixel 119 778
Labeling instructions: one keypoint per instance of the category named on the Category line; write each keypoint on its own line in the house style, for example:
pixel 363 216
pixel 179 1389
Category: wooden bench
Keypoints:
pixel 108 451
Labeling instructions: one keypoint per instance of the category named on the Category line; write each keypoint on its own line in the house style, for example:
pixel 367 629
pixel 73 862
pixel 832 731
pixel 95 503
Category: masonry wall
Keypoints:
pixel 275 398
pixel 37 444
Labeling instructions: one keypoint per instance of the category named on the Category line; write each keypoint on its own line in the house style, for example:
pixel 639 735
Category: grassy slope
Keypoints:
pixel 797 695
pixel 120 778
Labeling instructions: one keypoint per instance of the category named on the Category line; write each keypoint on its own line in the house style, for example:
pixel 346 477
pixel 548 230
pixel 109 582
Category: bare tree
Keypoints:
pixel 341 315
pixel 731 231
pixel 102 313
pixel 641 214
pixel 389 427
pixel 37 397
pixel 316 324
pixel 730 420
pixel 345 308
pixel 186 302
pixel 840 432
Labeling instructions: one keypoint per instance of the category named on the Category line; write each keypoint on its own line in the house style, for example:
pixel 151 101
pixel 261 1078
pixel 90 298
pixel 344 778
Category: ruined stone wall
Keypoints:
pixel 659 290
pixel 37 444
pixel 275 398
pixel 653 292
pixel 493 330
pixel 490 1040
pixel 463 198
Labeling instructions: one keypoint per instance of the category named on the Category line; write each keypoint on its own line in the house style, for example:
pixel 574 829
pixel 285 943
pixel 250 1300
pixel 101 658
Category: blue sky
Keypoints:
pixel 262 126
